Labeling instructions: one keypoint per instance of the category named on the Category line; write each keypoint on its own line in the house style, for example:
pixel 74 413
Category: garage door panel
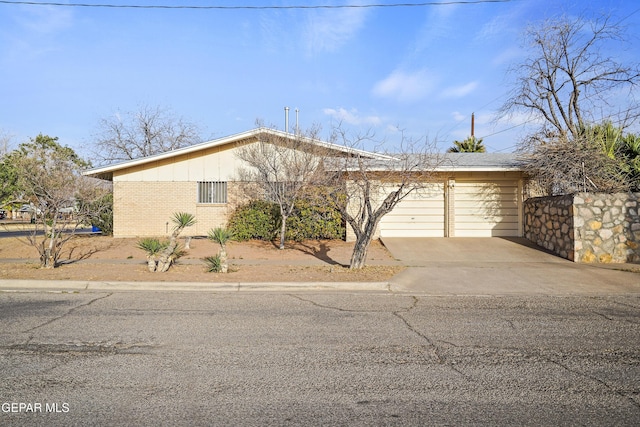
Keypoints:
pixel 487 205
pixel 488 233
pixel 412 233
pixel 503 195
pixel 473 211
pixel 408 226
pixel 427 211
pixel 420 214
pixel 484 225
pixel 485 209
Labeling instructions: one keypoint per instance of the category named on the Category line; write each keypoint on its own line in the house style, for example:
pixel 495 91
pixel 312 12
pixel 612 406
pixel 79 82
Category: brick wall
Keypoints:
pixel 144 208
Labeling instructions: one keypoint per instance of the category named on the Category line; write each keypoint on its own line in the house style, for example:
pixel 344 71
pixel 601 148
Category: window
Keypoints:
pixel 212 192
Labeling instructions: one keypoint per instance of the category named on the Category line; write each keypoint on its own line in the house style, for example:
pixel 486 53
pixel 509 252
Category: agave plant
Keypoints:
pixel 221 236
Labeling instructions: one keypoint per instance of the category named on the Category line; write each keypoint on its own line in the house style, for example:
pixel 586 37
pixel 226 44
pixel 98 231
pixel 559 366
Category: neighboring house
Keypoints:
pixel 472 195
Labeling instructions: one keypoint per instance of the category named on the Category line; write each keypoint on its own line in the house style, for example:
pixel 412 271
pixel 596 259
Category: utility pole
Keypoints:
pixel 472 124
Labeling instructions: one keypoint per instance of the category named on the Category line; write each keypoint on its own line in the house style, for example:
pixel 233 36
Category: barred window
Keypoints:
pixel 212 192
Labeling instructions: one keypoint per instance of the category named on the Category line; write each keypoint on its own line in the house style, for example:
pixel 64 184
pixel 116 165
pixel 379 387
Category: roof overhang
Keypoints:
pixel 106 172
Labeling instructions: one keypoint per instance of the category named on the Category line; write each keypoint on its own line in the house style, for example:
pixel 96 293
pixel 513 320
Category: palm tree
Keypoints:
pixel 630 154
pixel 606 136
pixel 469 145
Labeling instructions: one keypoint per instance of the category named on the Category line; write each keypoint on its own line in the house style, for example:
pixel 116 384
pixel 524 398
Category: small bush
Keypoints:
pixel 214 263
pixel 102 216
pixel 256 220
pixel 311 218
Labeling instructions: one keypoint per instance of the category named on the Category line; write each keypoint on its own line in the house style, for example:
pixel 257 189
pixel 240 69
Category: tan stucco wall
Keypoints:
pixel 213 164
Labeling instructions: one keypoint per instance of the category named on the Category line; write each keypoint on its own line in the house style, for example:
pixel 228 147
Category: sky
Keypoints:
pixel 400 72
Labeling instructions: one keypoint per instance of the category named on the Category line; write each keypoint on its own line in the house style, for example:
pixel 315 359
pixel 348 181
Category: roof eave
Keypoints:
pixel 107 171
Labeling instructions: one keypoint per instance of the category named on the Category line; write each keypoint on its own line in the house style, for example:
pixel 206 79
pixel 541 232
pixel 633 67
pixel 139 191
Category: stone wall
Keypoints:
pixel 586 227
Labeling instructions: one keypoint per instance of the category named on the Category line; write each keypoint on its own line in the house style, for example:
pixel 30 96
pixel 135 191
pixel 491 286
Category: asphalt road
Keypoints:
pixel 323 358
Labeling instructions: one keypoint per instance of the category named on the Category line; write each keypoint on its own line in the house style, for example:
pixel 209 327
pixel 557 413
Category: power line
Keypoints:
pixel 245 7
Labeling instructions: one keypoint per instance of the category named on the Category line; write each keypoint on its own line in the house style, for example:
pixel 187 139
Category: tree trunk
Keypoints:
pixel 47 260
pixel 283 230
pixel 151 263
pixel 224 264
pixel 360 250
pixel 166 256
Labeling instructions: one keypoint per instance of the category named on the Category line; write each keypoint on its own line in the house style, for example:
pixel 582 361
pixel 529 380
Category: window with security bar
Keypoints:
pixel 212 192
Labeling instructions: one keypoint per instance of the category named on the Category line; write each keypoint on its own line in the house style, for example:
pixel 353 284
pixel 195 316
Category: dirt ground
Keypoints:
pixel 100 258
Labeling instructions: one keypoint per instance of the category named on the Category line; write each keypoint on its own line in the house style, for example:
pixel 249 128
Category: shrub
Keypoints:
pixel 256 220
pixel 312 218
pixel 102 214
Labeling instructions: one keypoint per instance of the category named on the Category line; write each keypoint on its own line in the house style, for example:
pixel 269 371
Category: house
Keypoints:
pixel 472 194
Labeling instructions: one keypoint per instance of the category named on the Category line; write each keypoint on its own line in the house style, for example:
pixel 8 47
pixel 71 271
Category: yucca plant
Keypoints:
pixel 152 247
pixel 221 236
pixel 214 263
pixel 170 253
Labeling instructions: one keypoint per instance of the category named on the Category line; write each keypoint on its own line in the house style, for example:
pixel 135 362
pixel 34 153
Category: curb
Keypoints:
pixel 79 285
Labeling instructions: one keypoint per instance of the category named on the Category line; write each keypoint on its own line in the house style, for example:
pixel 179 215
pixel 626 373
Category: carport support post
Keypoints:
pixel 450 208
pixel 520 196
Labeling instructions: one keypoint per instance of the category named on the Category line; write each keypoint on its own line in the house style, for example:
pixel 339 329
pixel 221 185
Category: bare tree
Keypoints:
pixel 367 187
pixel 283 167
pixel 571 77
pixel 151 130
pixel 61 199
pixel 570 166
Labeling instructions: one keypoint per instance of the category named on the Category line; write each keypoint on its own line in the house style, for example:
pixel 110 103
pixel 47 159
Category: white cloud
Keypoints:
pixel 352 116
pixel 459 91
pixel 46 19
pixel 328 30
pixel 36 32
pixel 438 25
pixel 405 86
pixel 458 117
pixel 508 56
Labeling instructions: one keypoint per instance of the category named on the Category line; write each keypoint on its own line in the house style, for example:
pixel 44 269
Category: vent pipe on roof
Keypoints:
pixel 286 119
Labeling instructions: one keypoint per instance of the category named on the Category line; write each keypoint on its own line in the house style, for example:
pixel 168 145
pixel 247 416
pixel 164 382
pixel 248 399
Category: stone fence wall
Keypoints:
pixel 586 227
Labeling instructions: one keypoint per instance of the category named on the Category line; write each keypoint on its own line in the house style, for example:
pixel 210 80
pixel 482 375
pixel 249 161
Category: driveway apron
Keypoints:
pixel 498 266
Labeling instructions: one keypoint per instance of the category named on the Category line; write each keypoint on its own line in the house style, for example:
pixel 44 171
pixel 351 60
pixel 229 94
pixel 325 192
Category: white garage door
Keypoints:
pixel 486 208
pixel 420 214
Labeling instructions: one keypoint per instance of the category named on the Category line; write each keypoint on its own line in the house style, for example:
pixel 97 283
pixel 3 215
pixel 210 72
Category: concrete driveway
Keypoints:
pixel 498 266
